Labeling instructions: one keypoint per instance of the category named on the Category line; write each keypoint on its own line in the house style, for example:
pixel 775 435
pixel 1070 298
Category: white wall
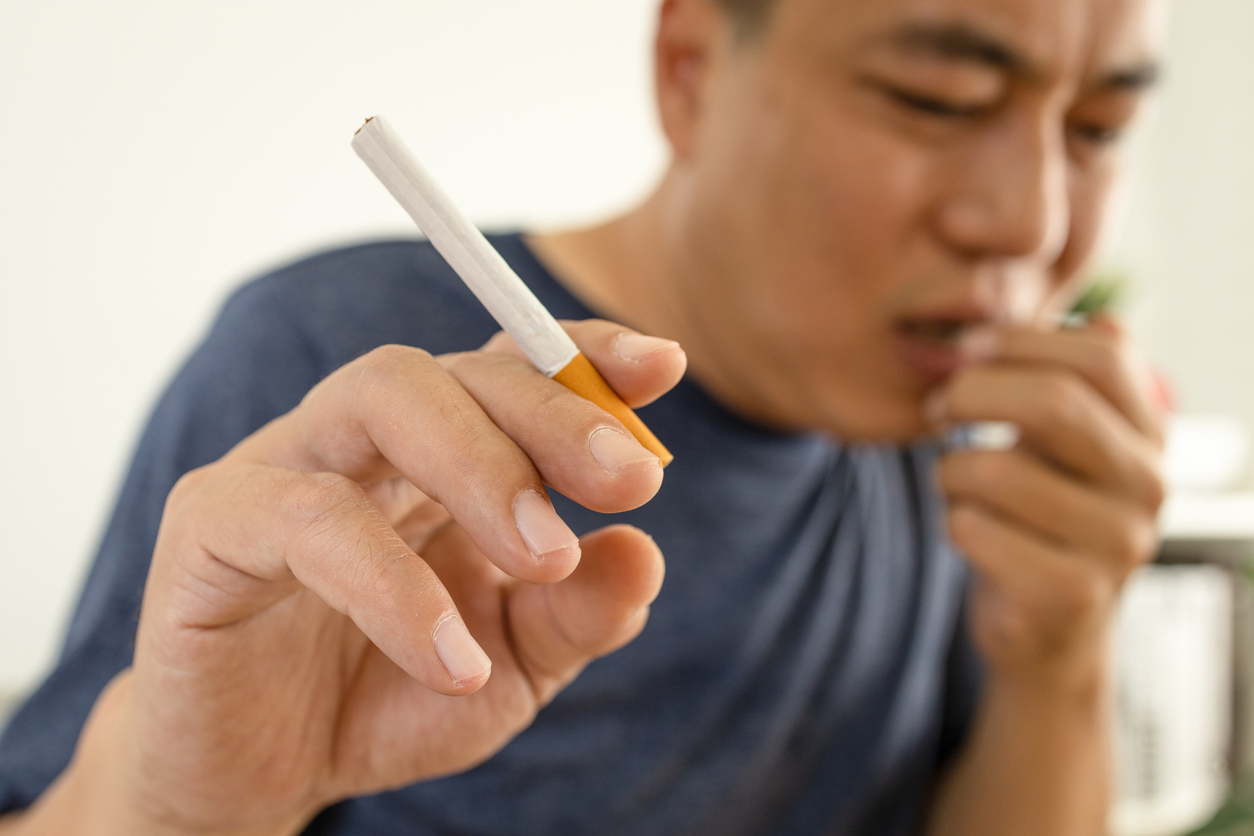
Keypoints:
pixel 1190 240
pixel 154 154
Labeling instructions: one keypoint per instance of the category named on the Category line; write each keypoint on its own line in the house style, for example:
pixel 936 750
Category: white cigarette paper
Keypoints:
pixel 463 246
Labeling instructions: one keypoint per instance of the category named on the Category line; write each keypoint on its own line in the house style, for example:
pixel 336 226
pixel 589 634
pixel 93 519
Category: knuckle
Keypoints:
pixel 391 357
pixel 318 500
pixel 187 488
pixel 965 525
pixel 1081 595
pixel 383 365
pixel 178 515
pixel 993 469
pixel 467 362
pixel 468 433
pixel 1060 401
pixel 378 371
pixel 1116 336
pixel 560 404
pixel 368 575
pixel 980 472
pixel 1135 544
pixel 456 360
pixel 499 341
pixel 1110 366
pixel 950 471
pixel 1155 487
pixel 592 328
pixel 1129 548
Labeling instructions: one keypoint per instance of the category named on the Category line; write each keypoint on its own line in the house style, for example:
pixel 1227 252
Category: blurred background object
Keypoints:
pixel 1184 658
pixel 114 256
pixel 1206 453
pixel 1174 703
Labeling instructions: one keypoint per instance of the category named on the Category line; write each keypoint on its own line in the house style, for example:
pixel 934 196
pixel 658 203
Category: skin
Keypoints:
pixel 875 211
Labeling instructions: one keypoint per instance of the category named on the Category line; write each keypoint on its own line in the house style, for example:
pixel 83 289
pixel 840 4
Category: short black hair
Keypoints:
pixel 749 16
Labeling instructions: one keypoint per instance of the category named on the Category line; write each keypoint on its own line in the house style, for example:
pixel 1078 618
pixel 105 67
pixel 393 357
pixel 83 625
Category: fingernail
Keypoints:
pixel 615 451
pixel 541 528
pixel 635 347
pixel 934 408
pixel 981 343
pixel 460 654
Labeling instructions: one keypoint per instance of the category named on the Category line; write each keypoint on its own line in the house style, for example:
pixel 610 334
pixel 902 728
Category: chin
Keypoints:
pixel 879 421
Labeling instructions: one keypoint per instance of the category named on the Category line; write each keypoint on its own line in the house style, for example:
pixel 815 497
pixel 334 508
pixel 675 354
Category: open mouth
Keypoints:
pixel 945 333
pixel 932 348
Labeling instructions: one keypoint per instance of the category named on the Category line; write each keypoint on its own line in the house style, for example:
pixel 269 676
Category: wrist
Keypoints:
pixel 99 792
pixel 1038 757
pixel 1075 674
pixel 1063 695
pixel 1081 685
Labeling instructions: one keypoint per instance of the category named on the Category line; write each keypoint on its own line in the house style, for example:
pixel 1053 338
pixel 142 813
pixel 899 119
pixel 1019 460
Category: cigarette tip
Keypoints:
pixel 369 119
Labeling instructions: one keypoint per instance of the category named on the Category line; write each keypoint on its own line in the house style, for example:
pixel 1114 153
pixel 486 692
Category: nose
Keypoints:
pixel 1007 194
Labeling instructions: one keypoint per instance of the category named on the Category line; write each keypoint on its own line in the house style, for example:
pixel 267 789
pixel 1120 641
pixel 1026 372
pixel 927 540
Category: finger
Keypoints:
pixel 1024 490
pixel 241 537
pixel 1064 419
pixel 397 410
pixel 1054 588
pixel 1152 386
pixel 579 448
pixel 557 629
pixel 639 368
pixel 1098 353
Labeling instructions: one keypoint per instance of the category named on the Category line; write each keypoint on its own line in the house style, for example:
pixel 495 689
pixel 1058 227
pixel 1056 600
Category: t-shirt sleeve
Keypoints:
pixel 254 365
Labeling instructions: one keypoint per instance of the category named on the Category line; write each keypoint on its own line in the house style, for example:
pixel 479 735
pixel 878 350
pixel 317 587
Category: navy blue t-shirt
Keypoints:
pixel 805 670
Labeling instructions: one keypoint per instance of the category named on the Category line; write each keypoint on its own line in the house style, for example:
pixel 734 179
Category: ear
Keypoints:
pixel 687 36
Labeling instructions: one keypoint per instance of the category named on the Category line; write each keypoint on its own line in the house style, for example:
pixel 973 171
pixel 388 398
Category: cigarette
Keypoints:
pixel 983 435
pixel 490 278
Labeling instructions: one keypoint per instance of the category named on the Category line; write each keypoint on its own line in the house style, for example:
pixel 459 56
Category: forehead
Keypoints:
pixel 1055 38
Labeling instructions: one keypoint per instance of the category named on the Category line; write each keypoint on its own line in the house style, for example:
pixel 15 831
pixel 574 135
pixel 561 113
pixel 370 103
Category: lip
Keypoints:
pixel 928 360
pixel 927 339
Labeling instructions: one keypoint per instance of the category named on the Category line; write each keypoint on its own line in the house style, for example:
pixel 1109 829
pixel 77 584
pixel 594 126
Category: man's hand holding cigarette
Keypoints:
pixel 372 590
pixel 1053 528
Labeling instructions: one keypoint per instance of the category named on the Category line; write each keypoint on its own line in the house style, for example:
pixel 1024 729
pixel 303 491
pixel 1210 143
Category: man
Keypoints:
pixel 875 214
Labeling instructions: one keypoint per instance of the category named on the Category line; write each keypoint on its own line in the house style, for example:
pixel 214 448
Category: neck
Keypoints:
pixel 636 270
pixel 622 269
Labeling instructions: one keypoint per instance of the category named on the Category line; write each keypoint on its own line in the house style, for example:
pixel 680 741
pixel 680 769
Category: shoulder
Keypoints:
pixel 278 335
pixel 341 303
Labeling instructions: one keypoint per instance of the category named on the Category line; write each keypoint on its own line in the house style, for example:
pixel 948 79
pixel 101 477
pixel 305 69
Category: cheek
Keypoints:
pixel 837 217
pixel 867 189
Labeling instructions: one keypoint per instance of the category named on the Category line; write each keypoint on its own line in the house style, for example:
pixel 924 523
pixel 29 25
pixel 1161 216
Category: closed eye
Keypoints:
pixel 1097 134
pixel 936 107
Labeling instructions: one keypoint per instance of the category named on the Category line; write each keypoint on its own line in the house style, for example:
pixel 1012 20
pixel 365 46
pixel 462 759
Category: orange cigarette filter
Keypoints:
pixel 582 378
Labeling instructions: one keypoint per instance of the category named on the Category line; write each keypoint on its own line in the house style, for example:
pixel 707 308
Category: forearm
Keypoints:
pixel 76 801
pixel 93 795
pixel 1038 762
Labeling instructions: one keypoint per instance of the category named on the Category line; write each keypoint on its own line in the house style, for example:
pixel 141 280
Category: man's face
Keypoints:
pixel 870 179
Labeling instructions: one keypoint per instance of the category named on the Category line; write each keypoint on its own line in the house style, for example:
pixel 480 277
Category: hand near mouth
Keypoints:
pixel 1052 527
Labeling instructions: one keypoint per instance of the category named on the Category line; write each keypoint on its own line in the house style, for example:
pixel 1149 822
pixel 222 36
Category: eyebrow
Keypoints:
pixel 1133 79
pixel 963 42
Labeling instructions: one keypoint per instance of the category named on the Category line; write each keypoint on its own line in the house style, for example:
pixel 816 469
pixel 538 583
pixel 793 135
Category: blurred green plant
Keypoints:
pixel 1236 817
pixel 1104 292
